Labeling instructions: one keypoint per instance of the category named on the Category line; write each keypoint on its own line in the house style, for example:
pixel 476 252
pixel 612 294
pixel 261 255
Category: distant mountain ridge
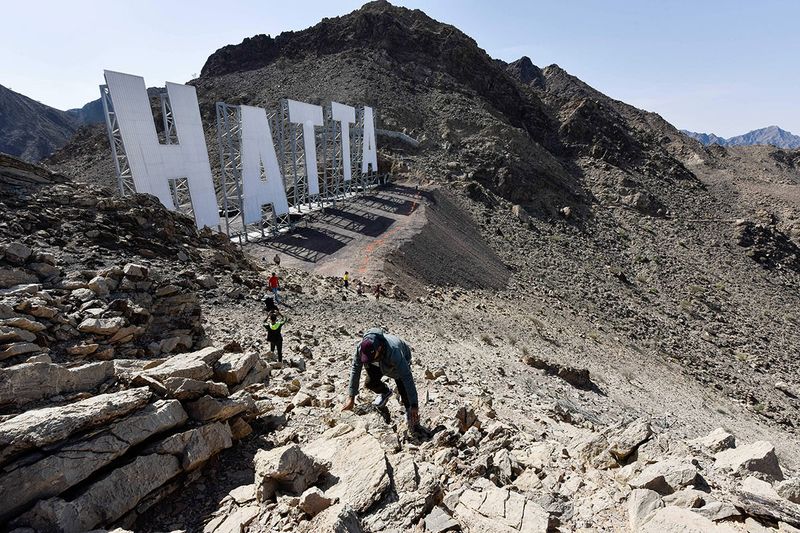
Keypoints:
pixel 772 135
pixel 31 130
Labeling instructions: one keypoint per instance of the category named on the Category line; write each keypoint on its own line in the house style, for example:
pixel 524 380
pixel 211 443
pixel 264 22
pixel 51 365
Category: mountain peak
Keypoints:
pixel 770 135
pixel 526 72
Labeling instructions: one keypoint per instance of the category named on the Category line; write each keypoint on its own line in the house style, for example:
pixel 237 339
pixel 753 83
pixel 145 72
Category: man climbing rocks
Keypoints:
pixel 384 355
pixel 346 279
pixel 274 336
pixel 274 286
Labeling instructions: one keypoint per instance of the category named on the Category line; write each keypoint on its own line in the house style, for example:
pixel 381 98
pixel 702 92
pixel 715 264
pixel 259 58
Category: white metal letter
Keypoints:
pixel 153 164
pixel 259 159
pixel 345 115
pixel 370 153
pixel 308 115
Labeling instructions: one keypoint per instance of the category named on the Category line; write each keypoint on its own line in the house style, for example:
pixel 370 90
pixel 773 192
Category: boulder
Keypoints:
pixel 466 418
pixel 190 389
pixel 73 463
pixel 677 520
pixel 758 457
pixel 339 518
pixel 717 511
pixel 235 522
pixel 39 427
pixel 789 489
pixel 18 348
pixel 34 381
pixel 106 500
pixel 208 409
pixel 313 501
pixel 622 445
pixel 192 365
pixel 23 323
pixel 135 271
pixel 101 326
pixel 665 477
pixel 17 253
pixel 287 469
pixel 196 446
pixel 11 277
pixel 239 428
pixel 768 508
pixel 688 498
pixel 642 504
pixel 232 368
pixel 716 441
pixel 11 334
pixel 438 521
pixel 357 461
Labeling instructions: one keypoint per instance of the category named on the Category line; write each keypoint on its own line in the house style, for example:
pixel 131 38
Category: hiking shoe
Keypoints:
pixel 382 399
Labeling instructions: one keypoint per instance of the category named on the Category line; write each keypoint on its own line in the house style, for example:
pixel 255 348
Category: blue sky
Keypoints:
pixel 705 65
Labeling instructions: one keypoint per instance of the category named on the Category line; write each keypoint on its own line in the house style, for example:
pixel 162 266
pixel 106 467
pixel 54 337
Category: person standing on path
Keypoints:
pixel 274 336
pixel 377 291
pixel 346 279
pixel 384 354
pixel 274 286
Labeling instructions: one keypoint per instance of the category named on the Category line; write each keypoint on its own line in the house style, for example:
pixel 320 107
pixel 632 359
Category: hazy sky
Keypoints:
pixel 705 65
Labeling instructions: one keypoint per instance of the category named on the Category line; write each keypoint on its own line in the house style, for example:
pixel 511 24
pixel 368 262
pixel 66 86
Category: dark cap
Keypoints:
pixel 367 348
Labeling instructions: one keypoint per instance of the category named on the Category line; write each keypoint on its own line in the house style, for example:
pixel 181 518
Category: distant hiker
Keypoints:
pixel 359 287
pixel 277 260
pixel 274 335
pixel 377 291
pixel 346 279
pixel 274 286
pixel 384 355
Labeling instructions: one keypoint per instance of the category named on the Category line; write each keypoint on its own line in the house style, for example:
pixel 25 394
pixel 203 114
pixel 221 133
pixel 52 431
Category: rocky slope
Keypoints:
pixel 771 135
pixel 30 130
pixel 657 275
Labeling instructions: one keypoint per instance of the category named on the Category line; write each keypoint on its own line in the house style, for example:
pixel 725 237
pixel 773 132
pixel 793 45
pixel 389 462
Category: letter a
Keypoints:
pixel 153 164
pixel 259 159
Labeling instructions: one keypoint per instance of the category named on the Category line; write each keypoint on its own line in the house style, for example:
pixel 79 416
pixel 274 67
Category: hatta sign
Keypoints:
pixel 271 162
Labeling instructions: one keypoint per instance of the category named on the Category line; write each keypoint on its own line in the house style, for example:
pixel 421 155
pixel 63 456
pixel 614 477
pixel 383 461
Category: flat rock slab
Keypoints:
pixel 40 427
pixel 196 446
pixel 677 520
pixel 106 500
pixel 191 389
pixel 488 509
pixel 101 326
pixel 75 462
pixel 438 521
pixel 192 365
pixel 357 461
pixel 35 381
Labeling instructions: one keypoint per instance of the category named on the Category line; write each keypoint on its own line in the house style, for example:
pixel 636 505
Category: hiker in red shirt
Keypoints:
pixel 273 286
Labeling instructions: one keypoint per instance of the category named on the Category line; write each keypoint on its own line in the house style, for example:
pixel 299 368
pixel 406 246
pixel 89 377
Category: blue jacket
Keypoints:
pixel 395 363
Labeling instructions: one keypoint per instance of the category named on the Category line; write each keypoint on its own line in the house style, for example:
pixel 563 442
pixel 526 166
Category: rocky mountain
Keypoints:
pixel 588 293
pixel 30 130
pixel 91 113
pixel 771 135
